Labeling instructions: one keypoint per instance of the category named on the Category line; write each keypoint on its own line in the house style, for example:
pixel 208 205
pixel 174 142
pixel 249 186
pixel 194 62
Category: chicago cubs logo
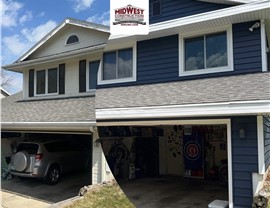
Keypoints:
pixel 192 150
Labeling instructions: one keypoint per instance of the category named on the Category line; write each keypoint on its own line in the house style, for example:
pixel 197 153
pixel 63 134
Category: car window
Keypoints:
pixel 63 146
pixel 30 148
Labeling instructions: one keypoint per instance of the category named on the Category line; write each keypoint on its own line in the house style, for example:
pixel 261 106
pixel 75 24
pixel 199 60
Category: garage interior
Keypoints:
pixel 70 183
pixel 168 163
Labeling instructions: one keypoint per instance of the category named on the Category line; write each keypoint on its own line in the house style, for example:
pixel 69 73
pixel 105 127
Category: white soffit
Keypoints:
pixel 242 13
pixel 232 2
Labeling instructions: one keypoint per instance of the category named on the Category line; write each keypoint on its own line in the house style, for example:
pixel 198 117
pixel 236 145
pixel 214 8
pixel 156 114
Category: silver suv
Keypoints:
pixel 48 159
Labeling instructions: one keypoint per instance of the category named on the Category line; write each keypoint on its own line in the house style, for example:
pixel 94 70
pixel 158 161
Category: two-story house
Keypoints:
pixel 198 85
pixel 59 82
pixel 203 64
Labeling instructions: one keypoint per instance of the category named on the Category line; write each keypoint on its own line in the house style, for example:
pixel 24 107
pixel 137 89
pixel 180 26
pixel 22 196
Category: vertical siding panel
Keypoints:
pixel 245 159
pixel 62 78
pixel 82 76
pixel 31 83
pixel 266 133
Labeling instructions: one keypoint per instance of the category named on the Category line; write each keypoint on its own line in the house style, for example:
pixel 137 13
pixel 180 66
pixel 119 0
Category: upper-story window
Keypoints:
pixel 47 81
pixel 118 66
pixel 72 39
pixel 206 53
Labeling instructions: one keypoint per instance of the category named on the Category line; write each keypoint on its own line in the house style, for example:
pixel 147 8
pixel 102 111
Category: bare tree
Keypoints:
pixel 6 79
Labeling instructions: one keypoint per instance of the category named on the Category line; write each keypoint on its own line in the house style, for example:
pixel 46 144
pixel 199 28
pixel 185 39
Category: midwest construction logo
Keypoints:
pixel 129 16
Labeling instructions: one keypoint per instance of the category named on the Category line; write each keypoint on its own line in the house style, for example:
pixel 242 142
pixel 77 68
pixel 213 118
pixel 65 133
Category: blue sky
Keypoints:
pixel 25 22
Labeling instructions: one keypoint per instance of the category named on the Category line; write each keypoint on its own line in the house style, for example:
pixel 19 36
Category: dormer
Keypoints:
pixel 65 62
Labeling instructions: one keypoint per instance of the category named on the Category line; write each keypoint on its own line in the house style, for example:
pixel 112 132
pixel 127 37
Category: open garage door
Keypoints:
pixel 174 162
pixel 70 153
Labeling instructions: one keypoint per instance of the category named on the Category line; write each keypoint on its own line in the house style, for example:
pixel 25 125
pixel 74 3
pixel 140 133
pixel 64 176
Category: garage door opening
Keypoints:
pixel 71 154
pixel 170 160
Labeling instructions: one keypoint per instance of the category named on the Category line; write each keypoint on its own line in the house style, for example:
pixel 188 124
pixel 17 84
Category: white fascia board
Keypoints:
pixel 5 91
pixel 230 2
pixel 59 57
pixel 48 126
pixel 237 10
pixel 54 31
pixel 104 29
pixel 203 17
pixel 191 110
pixel 41 42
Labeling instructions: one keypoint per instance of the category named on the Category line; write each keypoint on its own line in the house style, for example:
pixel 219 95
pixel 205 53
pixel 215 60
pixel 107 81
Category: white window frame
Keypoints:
pixel 69 37
pixel 46 82
pixel 121 80
pixel 87 74
pixel 229 67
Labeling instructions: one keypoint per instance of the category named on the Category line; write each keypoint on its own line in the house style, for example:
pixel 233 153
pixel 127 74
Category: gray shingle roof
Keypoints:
pixel 210 90
pixel 76 109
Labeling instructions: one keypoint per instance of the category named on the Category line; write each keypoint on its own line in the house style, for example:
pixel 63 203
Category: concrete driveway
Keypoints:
pixel 31 191
pixel 171 192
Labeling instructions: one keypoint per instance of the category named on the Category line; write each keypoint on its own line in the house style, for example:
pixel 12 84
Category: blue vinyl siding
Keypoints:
pixel 266 129
pixel 172 9
pixel 245 159
pixel 158 59
pixel 246 48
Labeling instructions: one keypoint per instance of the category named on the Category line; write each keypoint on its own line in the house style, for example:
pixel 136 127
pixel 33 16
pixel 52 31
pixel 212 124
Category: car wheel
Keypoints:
pixel 21 161
pixel 53 175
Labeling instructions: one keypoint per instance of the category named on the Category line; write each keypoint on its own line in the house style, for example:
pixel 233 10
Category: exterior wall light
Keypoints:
pixel 242 133
pixel 256 25
pixel 97 142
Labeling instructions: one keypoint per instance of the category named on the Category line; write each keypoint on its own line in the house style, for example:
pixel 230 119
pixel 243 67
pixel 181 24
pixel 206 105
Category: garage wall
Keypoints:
pixel 244 159
pixel 170 151
pixel 100 170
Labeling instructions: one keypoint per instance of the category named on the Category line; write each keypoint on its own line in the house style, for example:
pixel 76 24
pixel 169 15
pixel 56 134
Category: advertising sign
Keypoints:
pixel 129 17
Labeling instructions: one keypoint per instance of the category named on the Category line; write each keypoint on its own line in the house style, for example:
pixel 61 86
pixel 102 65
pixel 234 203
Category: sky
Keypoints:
pixel 25 22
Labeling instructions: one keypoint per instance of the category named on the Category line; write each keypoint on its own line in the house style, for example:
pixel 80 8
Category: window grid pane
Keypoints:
pixel 194 53
pixel 52 80
pixel 207 51
pixel 216 50
pixel 124 64
pixel 109 66
pixel 41 79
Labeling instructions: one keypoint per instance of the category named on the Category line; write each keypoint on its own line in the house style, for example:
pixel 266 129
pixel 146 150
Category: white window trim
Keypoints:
pixel 122 80
pixel 227 68
pixel 72 43
pixel 46 82
pixel 264 47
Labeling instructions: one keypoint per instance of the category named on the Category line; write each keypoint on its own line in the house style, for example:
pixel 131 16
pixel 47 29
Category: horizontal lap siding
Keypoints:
pixel 246 48
pixel 245 159
pixel 172 9
pixel 266 129
pixel 157 60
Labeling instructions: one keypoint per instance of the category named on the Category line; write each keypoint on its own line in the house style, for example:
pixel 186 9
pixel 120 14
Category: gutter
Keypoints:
pixel 76 127
pixel 57 57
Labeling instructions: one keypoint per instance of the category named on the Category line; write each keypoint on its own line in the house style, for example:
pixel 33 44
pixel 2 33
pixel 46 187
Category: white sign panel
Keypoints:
pixel 129 17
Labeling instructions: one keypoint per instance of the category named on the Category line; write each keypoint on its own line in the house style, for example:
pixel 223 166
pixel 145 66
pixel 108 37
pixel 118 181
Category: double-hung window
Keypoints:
pixel 47 81
pixel 206 53
pixel 118 66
